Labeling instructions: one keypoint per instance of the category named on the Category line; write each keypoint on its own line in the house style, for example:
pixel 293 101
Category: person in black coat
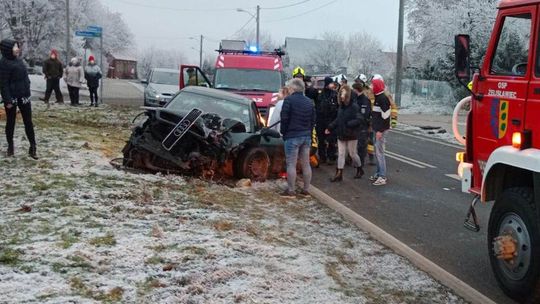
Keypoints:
pixel 347 126
pixel 15 93
pixel 53 71
pixel 326 106
pixel 364 105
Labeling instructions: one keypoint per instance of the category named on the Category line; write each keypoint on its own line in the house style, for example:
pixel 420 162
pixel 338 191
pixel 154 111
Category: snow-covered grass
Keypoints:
pixel 74 229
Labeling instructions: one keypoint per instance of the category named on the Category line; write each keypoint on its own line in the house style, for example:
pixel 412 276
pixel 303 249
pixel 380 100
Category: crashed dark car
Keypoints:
pixel 208 133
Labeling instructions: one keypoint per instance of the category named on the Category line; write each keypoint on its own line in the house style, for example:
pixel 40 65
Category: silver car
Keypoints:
pixel 161 86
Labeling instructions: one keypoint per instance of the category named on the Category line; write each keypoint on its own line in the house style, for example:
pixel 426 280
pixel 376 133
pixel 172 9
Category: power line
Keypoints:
pixel 285 6
pixel 243 26
pixel 304 13
pixel 177 9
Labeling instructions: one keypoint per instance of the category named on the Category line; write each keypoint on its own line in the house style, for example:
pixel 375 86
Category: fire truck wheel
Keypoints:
pixel 254 164
pixel 514 243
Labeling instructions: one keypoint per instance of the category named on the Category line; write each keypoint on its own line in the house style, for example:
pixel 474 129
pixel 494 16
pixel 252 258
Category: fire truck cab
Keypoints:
pixel 247 71
pixel 501 161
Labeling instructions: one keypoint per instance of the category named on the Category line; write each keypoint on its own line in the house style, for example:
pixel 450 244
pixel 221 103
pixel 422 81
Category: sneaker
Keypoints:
pixel 304 193
pixel 287 194
pixel 373 178
pixel 381 181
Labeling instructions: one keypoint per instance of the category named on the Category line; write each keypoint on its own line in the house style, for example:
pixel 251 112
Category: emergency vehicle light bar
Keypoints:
pixel 277 52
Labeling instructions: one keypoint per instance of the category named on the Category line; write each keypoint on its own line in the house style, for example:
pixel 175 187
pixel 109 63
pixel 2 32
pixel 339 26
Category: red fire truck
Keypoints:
pixel 501 161
pixel 250 72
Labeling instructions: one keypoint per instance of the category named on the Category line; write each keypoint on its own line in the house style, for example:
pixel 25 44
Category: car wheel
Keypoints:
pixel 514 243
pixel 254 164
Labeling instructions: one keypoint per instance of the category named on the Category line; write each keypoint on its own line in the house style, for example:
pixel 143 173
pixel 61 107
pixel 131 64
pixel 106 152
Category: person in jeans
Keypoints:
pixel 92 74
pixel 364 104
pixel 297 123
pixel 15 93
pixel 53 71
pixel 347 128
pixel 381 125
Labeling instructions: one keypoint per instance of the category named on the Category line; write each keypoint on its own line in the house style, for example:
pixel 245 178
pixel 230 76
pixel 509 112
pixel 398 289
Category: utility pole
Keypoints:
pixel 67 32
pixel 200 53
pixel 399 59
pixel 258 24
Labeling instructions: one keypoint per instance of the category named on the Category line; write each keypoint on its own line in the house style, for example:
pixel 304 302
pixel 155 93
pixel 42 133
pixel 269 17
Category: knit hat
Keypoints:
pixel 91 58
pixel 327 81
pixel 54 52
pixel 378 86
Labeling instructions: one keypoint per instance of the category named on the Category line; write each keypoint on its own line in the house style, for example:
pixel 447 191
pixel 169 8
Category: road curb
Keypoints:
pixel 444 277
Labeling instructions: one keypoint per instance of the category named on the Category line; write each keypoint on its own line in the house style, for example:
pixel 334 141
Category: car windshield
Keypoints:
pixel 162 77
pixel 248 79
pixel 185 101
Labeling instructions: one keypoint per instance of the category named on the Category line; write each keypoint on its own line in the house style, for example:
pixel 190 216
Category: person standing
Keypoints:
pixel 346 126
pixel 92 74
pixel 327 106
pixel 381 125
pixel 53 71
pixel 274 121
pixel 15 93
pixel 364 105
pixel 297 122
pixel 74 77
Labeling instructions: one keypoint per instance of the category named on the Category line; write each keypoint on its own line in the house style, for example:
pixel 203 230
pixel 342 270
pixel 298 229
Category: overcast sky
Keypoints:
pixel 170 23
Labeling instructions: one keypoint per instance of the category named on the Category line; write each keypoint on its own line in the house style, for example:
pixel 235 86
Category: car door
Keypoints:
pixel 503 86
pixel 193 75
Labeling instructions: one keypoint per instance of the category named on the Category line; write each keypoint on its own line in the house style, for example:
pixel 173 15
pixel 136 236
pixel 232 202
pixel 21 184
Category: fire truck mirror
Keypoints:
pixel 462 54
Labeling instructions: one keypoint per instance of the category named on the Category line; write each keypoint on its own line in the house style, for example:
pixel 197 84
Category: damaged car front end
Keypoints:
pixel 206 133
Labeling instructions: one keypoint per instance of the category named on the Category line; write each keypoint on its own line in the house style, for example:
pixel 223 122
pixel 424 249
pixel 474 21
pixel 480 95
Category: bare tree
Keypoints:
pixel 331 56
pixel 266 41
pixel 364 54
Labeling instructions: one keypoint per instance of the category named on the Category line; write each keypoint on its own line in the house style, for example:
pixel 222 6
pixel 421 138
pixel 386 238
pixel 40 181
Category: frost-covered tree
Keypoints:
pixel 158 58
pixel 432 25
pixel 40 25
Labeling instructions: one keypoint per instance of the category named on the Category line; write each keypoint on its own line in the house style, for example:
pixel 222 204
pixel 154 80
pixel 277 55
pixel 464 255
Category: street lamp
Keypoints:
pixel 256 18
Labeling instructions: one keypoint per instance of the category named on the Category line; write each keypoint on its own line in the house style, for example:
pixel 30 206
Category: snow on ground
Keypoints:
pixel 73 229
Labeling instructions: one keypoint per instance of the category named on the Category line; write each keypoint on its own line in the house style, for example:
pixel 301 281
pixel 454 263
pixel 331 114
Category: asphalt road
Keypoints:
pixel 423 206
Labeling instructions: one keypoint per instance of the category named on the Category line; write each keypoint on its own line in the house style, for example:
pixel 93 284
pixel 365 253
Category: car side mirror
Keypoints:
pixel 462 57
pixel 270 133
pixel 144 81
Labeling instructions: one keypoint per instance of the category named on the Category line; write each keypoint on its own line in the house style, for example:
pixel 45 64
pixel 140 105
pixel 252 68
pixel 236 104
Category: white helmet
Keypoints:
pixel 362 78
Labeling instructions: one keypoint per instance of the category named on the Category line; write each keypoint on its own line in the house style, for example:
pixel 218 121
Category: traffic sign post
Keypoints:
pixel 94 31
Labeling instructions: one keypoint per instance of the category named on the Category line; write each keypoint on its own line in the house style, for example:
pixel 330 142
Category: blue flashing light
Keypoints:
pixel 253 49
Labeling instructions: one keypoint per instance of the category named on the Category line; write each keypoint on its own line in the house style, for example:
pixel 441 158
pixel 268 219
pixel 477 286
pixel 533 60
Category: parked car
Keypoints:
pixel 161 85
pixel 206 132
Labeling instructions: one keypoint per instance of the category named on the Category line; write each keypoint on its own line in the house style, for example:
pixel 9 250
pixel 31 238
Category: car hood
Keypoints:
pixel 164 88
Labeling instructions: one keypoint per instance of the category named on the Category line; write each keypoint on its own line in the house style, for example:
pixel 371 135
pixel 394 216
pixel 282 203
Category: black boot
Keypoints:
pixel 359 173
pixel 32 152
pixel 338 177
pixel 10 151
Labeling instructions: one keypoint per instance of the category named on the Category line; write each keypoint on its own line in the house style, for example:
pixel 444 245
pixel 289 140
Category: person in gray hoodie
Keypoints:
pixel 92 74
pixel 74 77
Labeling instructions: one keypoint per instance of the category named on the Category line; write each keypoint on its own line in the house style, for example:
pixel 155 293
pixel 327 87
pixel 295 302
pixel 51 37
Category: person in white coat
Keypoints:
pixel 74 78
pixel 274 120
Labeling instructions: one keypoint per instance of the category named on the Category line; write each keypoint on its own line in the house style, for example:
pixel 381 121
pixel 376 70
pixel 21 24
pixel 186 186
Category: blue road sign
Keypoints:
pixel 94 28
pixel 88 34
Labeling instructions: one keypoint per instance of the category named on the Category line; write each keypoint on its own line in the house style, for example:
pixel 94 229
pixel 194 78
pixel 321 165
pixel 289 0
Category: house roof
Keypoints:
pixel 127 56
